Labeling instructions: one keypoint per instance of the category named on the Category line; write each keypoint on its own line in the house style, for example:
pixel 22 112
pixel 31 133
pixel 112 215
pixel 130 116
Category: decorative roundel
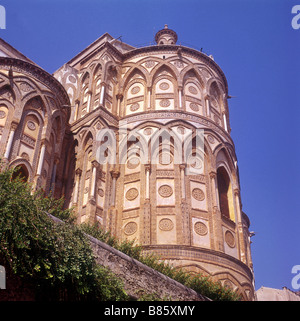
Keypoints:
pixel 135 90
pixel 148 131
pixel 72 79
pixel 130 228
pixel 164 86
pixel 198 194
pixel 31 125
pixel 200 228
pixel 194 107
pixel 214 102
pixel 216 119
pixel 165 159
pixel 166 224
pixel 180 130
pixel 108 105
pixel 229 239
pixel 211 139
pixel 100 192
pixel 132 194
pixel 86 190
pixel 196 162
pixel 134 107
pixel 25 156
pixel 2 114
pixel 165 103
pixel 165 191
pixel 149 64
pixel 133 163
pixel 193 90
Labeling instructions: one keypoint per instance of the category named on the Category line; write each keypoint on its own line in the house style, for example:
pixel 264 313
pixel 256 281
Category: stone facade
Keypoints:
pixel 138 140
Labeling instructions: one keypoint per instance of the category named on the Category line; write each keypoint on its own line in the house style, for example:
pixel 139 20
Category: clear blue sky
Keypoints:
pixel 255 45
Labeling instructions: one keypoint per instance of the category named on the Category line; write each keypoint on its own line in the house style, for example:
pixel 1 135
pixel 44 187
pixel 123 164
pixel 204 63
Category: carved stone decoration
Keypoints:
pixel 198 194
pixel 200 228
pixel 180 130
pixel 86 190
pixel 164 86
pixel 211 139
pixel 130 228
pixel 216 119
pixel 31 125
pixel 165 191
pixel 165 159
pixel 194 107
pixel 135 90
pixel 25 87
pixel 149 64
pixel 164 103
pixel 133 163
pixel 25 156
pixel 2 114
pixel 132 194
pixel 134 107
pixel 193 90
pixel 100 192
pixel 229 239
pixel 148 131
pixel 166 224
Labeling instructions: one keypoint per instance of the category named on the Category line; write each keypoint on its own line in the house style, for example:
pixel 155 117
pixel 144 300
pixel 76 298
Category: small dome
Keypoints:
pixel 166 36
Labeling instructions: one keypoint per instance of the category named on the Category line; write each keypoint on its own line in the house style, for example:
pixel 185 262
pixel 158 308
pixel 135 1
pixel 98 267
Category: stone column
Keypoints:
pixel 10 140
pixel 225 122
pixel 78 173
pixel 95 164
pixel 180 97
pixel 77 102
pixel 102 93
pixel 147 169
pixel 207 105
pixel 53 176
pixel 88 108
pixel 149 98
pixel 41 158
pixel 119 98
pixel 114 174
pixel 216 215
pixel 240 227
pixel 182 178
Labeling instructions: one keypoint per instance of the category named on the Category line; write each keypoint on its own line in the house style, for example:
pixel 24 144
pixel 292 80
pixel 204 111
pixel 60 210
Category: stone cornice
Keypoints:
pixel 184 50
pixel 17 65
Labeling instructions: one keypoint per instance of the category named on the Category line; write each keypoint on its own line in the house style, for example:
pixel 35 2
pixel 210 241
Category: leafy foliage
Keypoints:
pixel 56 258
pixel 200 283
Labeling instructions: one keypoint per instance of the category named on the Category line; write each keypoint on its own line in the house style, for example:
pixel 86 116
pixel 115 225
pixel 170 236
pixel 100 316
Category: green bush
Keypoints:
pixel 55 258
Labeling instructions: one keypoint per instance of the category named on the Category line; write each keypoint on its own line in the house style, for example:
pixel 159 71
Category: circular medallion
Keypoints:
pixel 135 90
pixel 134 107
pixel 200 228
pixel 166 224
pixel 178 64
pixel 164 86
pixel 72 79
pixel 2 114
pixel 130 228
pixel 193 90
pixel 165 103
pixel 229 239
pixel 148 131
pixel 214 102
pixel 31 125
pixel 211 139
pixel 100 192
pixel 196 162
pixel 149 64
pixel 194 107
pixel 198 194
pixel 108 105
pixel 165 159
pixel 132 194
pixel 86 190
pixel 133 163
pixel 25 87
pixel 25 156
pixel 165 191
pixel 216 119
pixel 180 130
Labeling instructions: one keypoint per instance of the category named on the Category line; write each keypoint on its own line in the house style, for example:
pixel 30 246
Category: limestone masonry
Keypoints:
pixel 138 140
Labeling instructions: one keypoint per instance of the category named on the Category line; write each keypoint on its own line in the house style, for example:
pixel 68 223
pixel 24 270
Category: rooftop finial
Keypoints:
pixel 166 26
